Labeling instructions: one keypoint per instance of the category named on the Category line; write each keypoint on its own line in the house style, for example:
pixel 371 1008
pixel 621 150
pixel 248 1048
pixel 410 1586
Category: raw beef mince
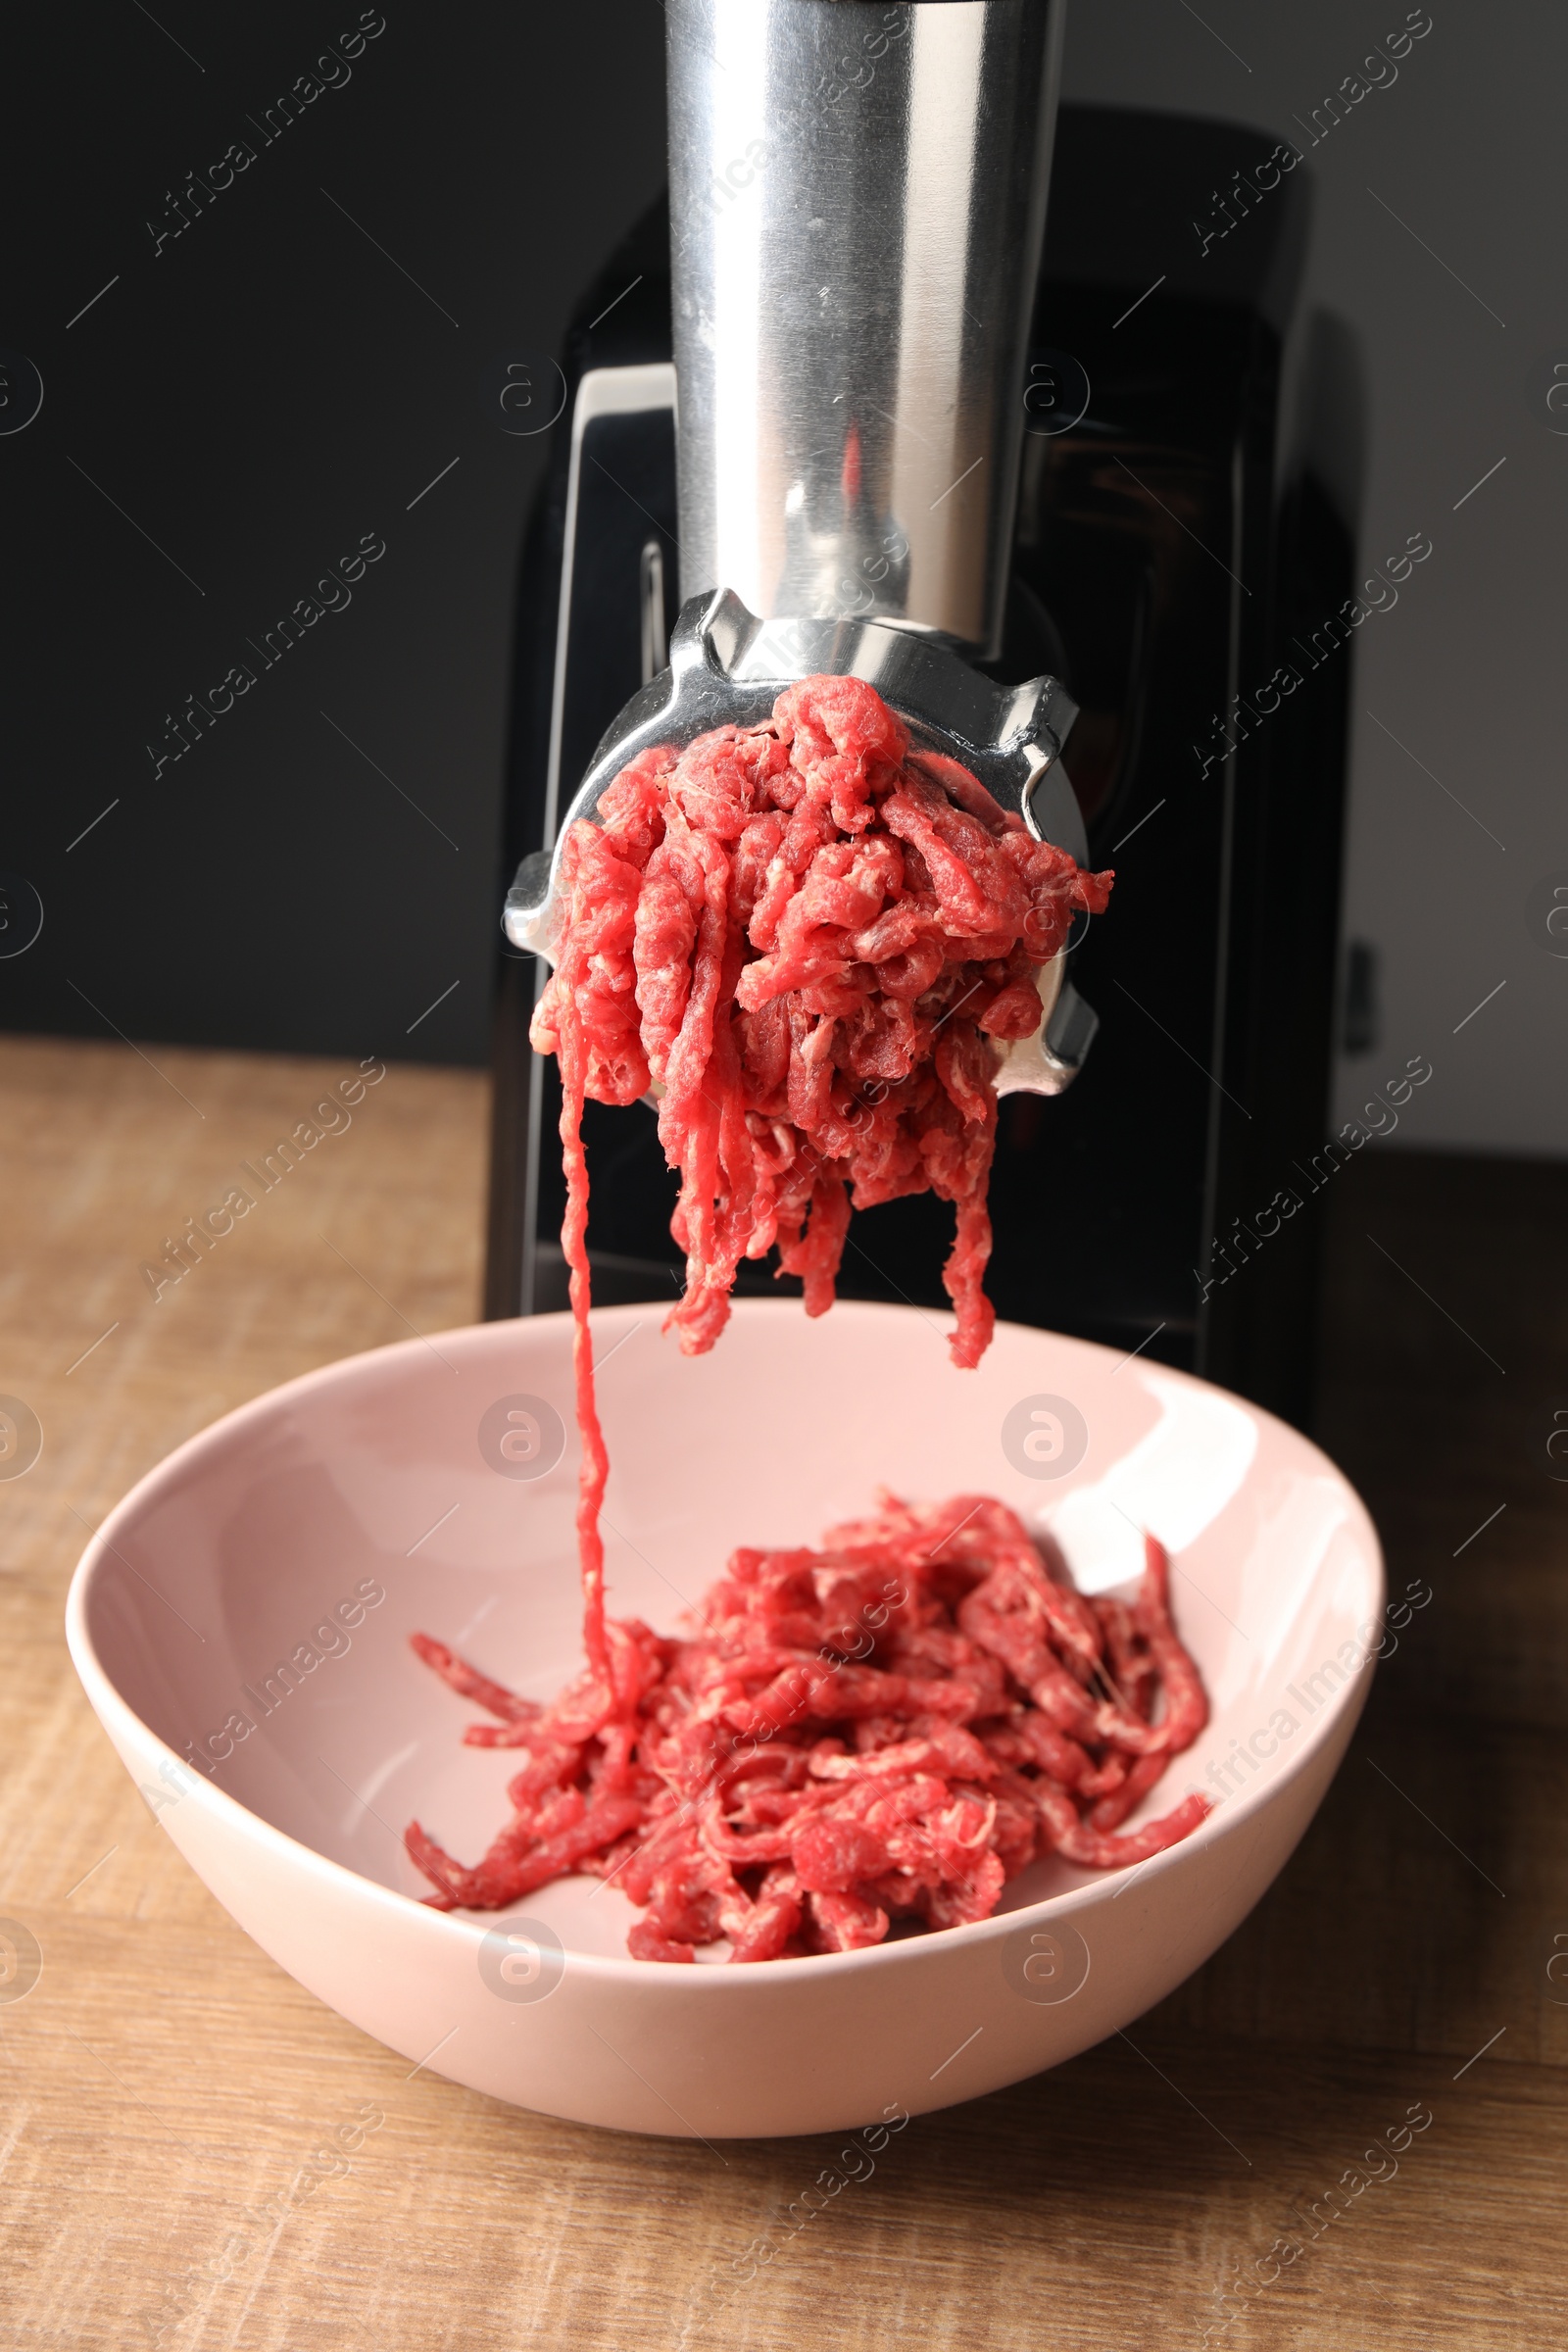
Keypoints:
pixel 797 933
pixel 887 1729
pixel 810 941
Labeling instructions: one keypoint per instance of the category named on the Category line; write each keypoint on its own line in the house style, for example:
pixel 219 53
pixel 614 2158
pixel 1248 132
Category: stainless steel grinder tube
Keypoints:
pixel 858 197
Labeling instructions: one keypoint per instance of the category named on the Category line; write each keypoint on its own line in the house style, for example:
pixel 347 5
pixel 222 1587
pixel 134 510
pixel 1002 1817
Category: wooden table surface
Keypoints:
pixel 163 2076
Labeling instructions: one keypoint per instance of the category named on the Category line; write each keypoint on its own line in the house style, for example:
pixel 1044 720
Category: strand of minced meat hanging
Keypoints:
pixel 594 1470
pixel 887 1729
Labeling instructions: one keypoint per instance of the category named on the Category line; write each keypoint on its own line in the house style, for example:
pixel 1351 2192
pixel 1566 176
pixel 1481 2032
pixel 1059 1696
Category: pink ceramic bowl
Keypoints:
pixel 242 1625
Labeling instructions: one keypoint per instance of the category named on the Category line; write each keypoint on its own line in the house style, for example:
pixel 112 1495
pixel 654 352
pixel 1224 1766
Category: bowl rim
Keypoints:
pixel 465 1930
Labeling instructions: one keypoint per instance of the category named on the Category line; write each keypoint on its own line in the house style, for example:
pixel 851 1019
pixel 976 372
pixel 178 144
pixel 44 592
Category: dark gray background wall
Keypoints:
pixel 223 423
pixel 1441 230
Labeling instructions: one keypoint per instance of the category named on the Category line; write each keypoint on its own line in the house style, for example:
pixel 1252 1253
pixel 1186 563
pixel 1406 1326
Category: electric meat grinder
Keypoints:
pixel 908 451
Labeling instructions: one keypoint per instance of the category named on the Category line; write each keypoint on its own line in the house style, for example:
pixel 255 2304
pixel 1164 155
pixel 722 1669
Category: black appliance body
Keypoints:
pixel 1178 565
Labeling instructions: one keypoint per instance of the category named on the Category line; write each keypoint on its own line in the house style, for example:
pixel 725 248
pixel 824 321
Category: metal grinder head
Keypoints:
pixel 727 667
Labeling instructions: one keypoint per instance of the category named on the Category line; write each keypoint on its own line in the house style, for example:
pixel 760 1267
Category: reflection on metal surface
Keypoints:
pixel 857 198
pixel 651 603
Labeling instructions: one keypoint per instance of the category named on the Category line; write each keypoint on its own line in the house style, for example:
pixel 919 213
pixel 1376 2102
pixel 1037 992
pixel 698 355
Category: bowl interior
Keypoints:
pixel 252 1599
